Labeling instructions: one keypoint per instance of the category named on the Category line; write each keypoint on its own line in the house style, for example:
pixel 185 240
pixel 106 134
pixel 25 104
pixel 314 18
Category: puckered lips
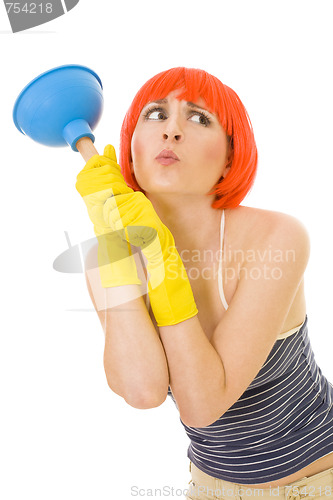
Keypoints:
pixel 167 157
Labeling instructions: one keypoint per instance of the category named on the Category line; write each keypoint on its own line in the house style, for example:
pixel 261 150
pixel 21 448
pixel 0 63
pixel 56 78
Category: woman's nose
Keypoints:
pixel 173 131
pixel 176 137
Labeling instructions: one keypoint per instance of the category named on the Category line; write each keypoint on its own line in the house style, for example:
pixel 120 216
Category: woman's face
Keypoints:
pixel 178 147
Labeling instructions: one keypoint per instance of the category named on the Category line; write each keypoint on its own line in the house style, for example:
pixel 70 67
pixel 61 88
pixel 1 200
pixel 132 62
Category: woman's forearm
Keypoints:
pixel 134 359
pixel 196 372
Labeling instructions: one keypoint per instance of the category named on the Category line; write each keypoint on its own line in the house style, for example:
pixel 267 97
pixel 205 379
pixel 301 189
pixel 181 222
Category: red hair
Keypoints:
pixel 232 115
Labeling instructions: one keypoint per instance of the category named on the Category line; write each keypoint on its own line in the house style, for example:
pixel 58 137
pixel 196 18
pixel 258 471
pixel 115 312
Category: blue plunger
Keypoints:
pixel 60 107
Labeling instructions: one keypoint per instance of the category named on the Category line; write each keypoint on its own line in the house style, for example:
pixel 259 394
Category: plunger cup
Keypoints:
pixel 61 107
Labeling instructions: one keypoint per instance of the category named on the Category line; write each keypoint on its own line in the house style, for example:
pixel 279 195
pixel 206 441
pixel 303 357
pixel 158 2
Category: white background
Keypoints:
pixel 64 434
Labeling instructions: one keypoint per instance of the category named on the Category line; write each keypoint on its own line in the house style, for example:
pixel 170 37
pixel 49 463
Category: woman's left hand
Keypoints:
pixel 169 289
pixel 99 180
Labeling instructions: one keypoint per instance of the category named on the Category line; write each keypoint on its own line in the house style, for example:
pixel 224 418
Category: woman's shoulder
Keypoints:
pixel 269 227
pixel 263 215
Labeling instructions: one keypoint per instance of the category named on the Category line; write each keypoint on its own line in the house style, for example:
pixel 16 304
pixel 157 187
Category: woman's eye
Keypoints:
pixel 155 114
pixel 200 118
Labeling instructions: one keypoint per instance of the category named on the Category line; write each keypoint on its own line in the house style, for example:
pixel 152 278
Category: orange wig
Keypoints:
pixel 232 115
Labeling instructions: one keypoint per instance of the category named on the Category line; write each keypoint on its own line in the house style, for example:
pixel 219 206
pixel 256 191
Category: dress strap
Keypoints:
pixel 221 254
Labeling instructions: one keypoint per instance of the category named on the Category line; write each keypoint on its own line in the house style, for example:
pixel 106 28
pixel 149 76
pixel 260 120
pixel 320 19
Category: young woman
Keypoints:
pixel 223 329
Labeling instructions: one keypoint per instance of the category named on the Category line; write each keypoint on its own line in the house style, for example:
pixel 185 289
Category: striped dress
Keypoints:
pixel 281 423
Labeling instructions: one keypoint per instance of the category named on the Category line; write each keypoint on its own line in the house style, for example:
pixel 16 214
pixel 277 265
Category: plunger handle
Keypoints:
pixel 86 148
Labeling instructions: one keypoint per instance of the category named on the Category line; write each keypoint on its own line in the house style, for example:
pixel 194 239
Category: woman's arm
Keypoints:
pixel 208 377
pixel 134 359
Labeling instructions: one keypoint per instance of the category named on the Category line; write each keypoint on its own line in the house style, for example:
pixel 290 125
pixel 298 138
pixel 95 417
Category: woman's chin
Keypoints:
pixel 163 186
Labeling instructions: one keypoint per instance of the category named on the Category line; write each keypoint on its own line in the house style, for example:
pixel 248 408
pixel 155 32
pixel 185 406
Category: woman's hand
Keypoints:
pixel 101 173
pixel 169 289
pixel 99 180
pixel 112 205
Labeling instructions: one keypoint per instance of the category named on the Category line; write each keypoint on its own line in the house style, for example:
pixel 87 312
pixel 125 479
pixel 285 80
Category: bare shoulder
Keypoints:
pixel 270 228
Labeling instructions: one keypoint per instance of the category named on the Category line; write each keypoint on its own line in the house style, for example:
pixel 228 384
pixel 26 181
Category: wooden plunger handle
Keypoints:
pixel 86 148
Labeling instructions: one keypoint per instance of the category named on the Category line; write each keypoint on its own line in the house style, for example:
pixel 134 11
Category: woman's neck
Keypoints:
pixel 190 218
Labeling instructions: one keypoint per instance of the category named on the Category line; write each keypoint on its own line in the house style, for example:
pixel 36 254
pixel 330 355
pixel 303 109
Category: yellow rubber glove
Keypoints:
pixel 112 205
pixel 96 183
pixel 169 289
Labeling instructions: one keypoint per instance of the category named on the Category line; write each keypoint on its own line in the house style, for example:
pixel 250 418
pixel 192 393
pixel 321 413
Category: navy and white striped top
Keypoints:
pixel 281 423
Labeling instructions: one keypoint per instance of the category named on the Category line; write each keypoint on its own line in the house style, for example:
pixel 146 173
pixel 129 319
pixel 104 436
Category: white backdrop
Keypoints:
pixel 64 434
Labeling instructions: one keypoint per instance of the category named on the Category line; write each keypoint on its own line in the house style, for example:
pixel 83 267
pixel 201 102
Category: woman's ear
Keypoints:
pixel 226 170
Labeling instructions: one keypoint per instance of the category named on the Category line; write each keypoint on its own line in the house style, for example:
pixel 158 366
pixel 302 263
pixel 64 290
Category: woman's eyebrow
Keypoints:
pixel 158 101
pixel 189 104
pixel 193 105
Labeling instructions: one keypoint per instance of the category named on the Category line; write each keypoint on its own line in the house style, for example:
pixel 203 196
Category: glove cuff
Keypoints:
pixel 172 300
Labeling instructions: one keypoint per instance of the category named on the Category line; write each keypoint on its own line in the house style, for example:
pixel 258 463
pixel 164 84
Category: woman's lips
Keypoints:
pixel 167 157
